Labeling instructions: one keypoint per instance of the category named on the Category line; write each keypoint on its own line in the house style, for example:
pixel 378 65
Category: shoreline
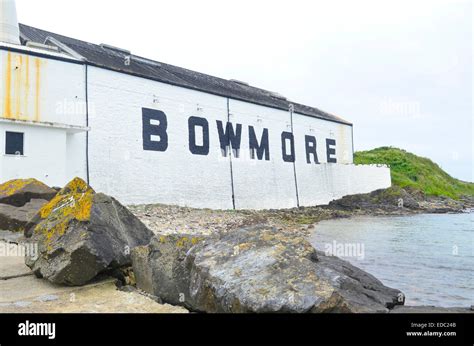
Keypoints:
pixel 168 219
pixel 174 220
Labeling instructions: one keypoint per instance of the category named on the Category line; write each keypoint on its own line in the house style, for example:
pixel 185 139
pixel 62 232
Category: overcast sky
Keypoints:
pixel 401 71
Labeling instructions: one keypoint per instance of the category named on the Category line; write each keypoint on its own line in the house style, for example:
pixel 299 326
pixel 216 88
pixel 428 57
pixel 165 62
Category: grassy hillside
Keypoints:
pixel 409 170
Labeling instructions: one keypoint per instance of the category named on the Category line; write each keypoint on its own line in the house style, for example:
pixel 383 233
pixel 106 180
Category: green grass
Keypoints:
pixel 409 170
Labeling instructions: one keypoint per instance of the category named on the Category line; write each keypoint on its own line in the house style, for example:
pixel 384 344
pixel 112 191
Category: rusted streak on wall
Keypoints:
pixel 17 93
pixel 38 88
pixel 18 82
pixel 8 84
pixel 26 93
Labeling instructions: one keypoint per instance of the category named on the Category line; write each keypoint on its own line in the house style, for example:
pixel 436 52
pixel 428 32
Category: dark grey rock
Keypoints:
pixel 160 267
pixel 258 269
pixel 16 219
pixel 394 198
pixel 81 234
pixel 18 192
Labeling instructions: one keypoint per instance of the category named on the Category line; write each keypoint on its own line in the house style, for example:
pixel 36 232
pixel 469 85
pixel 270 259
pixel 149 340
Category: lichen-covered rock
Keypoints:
pixel 160 266
pixel 261 269
pixel 15 219
pixel 393 198
pixel 81 233
pixel 19 192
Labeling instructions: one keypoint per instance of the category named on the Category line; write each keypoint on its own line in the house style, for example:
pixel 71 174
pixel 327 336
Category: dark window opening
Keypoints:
pixel 14 143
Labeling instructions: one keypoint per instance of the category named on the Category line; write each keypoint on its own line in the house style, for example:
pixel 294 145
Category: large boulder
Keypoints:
pixel 19 192
pixel 16 219
pixel 160 268
pixel 257 269
pixel 81 233
pixel 393 198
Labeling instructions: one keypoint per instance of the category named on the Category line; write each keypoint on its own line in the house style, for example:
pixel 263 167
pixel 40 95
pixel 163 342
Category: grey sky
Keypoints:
pixel 401 71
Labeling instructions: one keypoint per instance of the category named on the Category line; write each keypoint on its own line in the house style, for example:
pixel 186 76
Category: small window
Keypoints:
pixel 14 143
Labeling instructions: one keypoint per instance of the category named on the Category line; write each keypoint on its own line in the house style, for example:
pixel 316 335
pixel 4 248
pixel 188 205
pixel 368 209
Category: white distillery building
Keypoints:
pixel 148 132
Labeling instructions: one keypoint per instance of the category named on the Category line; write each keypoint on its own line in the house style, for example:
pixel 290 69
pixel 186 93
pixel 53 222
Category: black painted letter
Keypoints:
pixel 150 129
pixel 284 137
pixel 262 148
pixel 331 150
pixel 229 137
pixel 194 122
pixel 311 149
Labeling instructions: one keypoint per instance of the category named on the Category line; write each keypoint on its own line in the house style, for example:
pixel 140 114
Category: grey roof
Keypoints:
pixel 109 58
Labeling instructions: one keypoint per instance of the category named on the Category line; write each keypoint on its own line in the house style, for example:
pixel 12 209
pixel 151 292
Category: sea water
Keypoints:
pixel 429 257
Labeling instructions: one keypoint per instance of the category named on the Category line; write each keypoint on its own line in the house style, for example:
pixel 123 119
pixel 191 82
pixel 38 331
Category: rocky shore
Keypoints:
pixel 165 219
pixel 194 259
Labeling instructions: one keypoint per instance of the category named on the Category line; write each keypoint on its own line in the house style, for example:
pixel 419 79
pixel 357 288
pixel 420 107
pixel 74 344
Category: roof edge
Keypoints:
pixel 83 59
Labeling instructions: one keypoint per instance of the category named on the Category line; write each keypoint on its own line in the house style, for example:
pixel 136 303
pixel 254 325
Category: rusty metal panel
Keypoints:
pixel 41 90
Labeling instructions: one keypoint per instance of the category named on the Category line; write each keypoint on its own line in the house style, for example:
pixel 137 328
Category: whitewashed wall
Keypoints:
pixel 119 165
pixel 45 92
pixel 321 183
pixel 75 156
pixel 321 129
pixel 41 97
pixel 327 182
pixel 261 183
pixel 44 155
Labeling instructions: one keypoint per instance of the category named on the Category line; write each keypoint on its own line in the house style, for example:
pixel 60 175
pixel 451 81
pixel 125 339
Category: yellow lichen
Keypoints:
pixel 72 203
pixel 195 240
pixel 13 186
pixel 182 242
pixel 245 246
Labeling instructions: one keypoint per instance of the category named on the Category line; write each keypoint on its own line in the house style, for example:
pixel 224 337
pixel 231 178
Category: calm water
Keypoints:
pixel 430 258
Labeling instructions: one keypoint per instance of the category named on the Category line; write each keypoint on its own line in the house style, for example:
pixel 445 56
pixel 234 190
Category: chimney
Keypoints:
pixel 9 29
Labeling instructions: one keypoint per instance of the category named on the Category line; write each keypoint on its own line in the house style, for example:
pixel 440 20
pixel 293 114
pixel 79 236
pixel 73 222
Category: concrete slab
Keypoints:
pixel 8 236
pixel 11 264
pixel 99 298
pixel 22 292
pixel 29 287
